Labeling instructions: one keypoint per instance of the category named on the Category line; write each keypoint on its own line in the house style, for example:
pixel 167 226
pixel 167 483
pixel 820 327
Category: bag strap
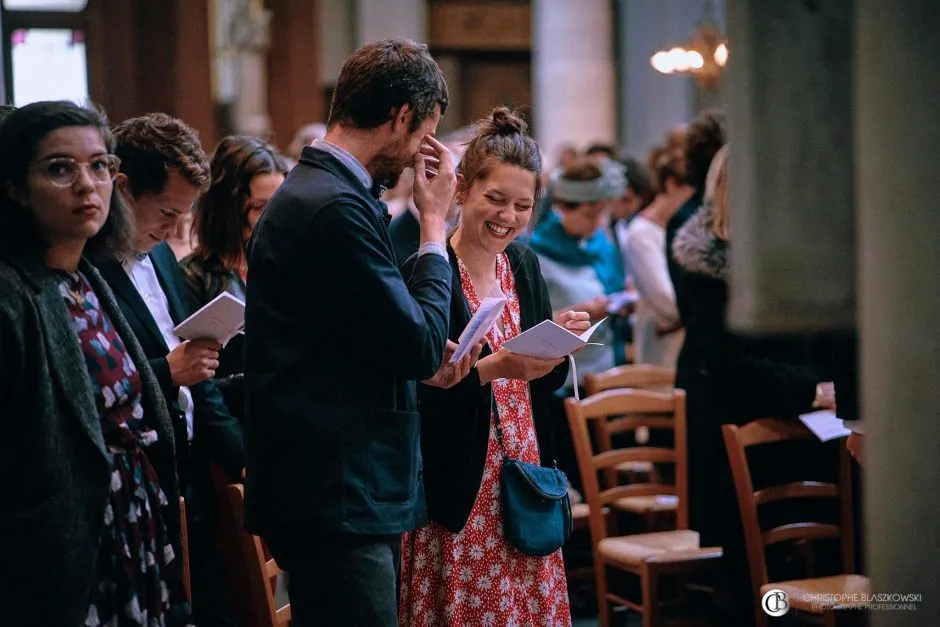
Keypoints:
pixel 499 430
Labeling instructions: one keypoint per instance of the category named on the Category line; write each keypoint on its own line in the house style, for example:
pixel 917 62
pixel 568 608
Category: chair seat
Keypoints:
pixel 805 594
pixel 632 550
pixel 644 504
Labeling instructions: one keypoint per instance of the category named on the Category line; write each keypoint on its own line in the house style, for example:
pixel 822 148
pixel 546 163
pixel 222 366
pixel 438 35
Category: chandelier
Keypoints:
pixel 704 57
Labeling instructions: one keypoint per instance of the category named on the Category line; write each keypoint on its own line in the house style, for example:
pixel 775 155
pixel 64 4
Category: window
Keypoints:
pixel 69 6
pixel 48 64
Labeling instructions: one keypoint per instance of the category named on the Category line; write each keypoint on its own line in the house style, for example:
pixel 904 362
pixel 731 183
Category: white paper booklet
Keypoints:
pixel 548 340
pixel 221 319
pixel 480 324
pixel 824 425
pixel 619 300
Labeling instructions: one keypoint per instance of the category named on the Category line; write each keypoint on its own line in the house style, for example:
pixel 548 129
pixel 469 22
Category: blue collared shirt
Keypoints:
pixel 359 171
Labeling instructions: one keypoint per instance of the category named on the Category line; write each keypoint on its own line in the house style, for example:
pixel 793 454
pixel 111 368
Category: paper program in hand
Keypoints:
pixel 824 425
pixel 480 324
pixel 548 340
pixel 221 319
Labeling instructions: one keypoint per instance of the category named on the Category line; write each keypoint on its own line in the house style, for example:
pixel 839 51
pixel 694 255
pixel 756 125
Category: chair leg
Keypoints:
pixel 600 583
pixel 649 582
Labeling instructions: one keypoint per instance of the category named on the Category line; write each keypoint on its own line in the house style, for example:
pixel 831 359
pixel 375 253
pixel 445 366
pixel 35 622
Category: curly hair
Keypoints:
pixel 21 133
pixel 387 75
pixel 705 137
pixel 222 212
pixel 152 145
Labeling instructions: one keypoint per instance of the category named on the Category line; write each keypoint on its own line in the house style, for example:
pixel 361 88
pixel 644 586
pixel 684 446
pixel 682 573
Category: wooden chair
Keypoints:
pixel 654 510
pixel 251 576
pixel 800 592
pixel 184 545
pixel 649 556
pixel 643 376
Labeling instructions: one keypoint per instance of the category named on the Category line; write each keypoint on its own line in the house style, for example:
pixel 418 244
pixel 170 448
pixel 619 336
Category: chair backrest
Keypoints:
pixel 626 409
pixel 643 376
pixel 771 430
pixel 250 574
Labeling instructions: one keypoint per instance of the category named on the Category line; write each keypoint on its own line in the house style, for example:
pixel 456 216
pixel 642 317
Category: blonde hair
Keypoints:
pixel 716 194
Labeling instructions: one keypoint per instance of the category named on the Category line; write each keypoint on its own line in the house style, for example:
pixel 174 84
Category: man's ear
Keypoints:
pixel 401 118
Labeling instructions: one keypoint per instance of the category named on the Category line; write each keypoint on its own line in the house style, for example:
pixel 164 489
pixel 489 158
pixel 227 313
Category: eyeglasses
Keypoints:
pixel 64 171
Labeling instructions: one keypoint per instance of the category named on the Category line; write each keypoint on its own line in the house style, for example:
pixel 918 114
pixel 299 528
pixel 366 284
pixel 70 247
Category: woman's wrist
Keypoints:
pixel 485 369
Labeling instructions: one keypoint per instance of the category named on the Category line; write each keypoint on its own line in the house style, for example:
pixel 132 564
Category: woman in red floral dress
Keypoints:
pixel 460 570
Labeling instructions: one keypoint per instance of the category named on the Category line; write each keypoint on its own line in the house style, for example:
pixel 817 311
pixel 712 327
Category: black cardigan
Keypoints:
pixel 455 423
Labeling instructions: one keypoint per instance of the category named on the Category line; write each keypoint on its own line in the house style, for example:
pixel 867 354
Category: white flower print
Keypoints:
pixel 505 585
pixel 489 619
pixel 478 522
pixel 132 610
pixel 490 543
pixel 466 574
pixel 116 482
pixel 420 561
pixel 109 398
pixel 475 601
pixel 476 552
pixel 103 340
pixel 484 583
pixel 545 589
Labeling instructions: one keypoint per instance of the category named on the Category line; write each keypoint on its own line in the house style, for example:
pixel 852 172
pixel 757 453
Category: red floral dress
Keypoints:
pixel 476 578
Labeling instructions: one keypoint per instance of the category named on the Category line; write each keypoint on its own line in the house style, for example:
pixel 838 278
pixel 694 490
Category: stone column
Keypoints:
pixel 651 103
pixel 898 195
pixel 380 19
pixel 574 94
pixel 789 89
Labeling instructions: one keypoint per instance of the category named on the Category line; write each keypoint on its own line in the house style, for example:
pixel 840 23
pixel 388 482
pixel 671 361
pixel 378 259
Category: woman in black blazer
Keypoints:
pixel 460 570
pixel 246 171
pixel 730 378
pixel 89 532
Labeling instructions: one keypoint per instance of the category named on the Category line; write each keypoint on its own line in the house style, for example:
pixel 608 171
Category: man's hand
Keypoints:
pixel 193 361
pixel 505 364
pixel 435 183
pixel 449 375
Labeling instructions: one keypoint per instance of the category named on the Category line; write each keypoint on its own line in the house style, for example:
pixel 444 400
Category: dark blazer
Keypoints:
pixel 335 339
pixel 405 232
pixel 53 460
pixel 455 423
pixel 217 435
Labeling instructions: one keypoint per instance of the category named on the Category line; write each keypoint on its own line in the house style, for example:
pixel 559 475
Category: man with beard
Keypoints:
pixel 336 337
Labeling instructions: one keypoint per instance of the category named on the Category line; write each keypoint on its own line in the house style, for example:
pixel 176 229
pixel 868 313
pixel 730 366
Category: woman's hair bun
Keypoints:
pixel 504 121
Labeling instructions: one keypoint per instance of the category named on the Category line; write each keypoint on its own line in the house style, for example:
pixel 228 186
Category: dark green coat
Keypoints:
pixel 54 465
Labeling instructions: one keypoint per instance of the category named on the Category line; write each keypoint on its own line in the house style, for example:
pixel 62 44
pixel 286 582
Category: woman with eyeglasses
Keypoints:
pixel 89 529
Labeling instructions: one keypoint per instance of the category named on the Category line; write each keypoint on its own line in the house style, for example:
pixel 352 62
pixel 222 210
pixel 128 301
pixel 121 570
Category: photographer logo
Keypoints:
pixel 775 602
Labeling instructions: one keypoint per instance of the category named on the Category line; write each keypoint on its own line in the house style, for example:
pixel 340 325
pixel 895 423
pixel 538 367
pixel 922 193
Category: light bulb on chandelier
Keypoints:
pixel 704 57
